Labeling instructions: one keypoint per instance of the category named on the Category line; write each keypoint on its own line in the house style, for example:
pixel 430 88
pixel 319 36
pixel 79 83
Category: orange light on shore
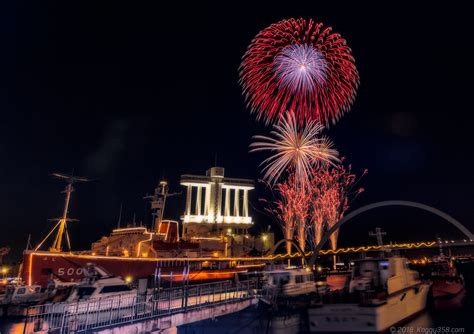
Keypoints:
pixel 250 265
pixel 368 248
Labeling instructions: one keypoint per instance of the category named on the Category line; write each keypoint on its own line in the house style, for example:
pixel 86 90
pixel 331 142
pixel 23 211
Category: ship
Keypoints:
pixel 442 271
pixel 382 293
pixel 212 241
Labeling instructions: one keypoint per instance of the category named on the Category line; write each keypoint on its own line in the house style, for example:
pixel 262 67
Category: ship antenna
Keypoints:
pixel 378 234
pixel 441 254
pixel 28 243
pixel 61 225
pixel 120 215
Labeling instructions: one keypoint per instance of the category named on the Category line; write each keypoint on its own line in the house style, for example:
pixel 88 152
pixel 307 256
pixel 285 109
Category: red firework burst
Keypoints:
pixel 300 66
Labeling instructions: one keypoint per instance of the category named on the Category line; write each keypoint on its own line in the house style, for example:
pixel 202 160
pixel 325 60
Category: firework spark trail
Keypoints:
pixel 290 209
pixel 295 147
pixel 332 192
pixel 300 66
pixel 309 210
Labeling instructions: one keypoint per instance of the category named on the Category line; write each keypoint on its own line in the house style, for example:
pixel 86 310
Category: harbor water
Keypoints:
pixel 449 316
pixel 452 315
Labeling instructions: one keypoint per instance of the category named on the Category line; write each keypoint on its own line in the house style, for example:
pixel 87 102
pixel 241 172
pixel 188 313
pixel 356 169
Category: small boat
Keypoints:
pixel 57 291
pixel 382 292
pixel 18 294
pixel 447 283
pixel 99 284
pixel 291 282
pixel 100 291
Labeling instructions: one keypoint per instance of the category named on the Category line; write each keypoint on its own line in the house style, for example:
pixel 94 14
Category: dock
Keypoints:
pixel 157 311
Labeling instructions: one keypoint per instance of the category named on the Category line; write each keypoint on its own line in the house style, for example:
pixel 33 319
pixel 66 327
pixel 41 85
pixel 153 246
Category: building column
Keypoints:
pixel 198 200
pixel 218 200
pixel 227 202
pixel 188 200
pixel 236 203
pixel 246 203
pixel 207 200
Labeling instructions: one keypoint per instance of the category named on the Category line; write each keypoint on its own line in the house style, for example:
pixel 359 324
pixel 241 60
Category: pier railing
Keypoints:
pixel 82 316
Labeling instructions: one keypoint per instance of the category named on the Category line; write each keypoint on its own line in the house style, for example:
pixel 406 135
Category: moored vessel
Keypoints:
pixel 211 243
pixel 290 282
pixel 447 282
pixel 382 292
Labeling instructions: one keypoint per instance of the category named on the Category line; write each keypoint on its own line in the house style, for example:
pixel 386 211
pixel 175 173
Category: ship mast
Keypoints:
pixel 378 235
pixel 158 202
pixel 61 225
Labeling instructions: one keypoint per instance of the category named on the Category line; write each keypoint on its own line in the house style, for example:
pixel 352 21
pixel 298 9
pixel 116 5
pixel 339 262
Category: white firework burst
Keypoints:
pixel 298 147
pixel 300 66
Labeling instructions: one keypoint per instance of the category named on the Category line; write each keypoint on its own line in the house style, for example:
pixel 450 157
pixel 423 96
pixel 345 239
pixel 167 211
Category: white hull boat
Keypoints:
pixel 383 293
pixel 100 291
pixel 291 282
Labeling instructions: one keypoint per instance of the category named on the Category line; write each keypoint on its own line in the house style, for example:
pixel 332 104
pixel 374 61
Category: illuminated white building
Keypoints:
pixel 215 203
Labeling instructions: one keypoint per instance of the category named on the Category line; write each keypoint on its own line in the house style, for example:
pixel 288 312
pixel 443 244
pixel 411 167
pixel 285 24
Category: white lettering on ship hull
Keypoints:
pixel 70 272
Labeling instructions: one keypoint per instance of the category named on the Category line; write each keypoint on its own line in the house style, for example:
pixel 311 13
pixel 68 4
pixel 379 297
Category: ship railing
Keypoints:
pixel 86 315
pixel 269 294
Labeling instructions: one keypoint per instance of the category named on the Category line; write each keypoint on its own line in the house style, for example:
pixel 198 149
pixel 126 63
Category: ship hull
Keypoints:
pixel 40 267
pixel 349 318
pixel 447 288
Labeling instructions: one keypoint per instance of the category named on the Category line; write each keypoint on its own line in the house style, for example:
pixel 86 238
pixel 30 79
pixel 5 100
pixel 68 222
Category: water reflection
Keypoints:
pixel 453 313
pixel 252 321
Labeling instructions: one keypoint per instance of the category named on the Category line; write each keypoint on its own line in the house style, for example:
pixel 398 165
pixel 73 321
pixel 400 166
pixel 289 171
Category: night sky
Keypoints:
pixel 128 94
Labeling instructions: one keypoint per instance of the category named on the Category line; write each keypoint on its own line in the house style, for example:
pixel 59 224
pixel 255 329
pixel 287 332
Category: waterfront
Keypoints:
pixel 257 320
pixel 446 316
